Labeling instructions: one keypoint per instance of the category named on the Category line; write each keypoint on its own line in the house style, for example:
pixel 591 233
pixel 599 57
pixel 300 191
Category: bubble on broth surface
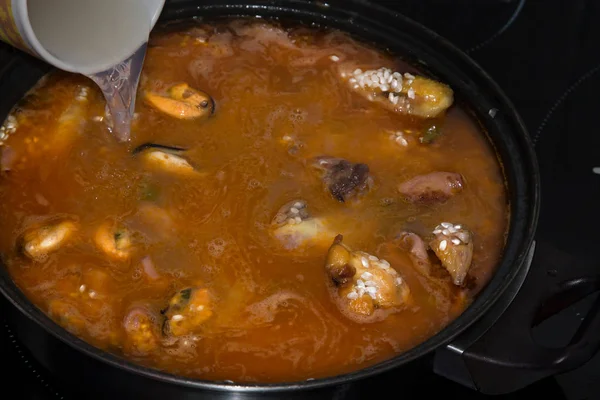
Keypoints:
pixel 216 247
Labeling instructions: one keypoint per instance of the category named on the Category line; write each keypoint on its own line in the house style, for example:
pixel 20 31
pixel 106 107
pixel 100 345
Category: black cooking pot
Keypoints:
pixel 452 351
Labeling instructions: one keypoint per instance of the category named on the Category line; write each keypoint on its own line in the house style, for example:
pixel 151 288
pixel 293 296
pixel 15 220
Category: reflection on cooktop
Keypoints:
pixel 470 24
pixel 553 76
pixel 569 153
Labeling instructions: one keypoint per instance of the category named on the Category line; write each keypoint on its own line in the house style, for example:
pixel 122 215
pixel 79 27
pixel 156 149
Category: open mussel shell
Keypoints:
pixel 182 102
pixel 167 149
pixel 165 158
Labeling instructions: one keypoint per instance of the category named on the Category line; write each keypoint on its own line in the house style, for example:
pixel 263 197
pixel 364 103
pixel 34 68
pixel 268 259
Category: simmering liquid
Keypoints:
pixel 176 259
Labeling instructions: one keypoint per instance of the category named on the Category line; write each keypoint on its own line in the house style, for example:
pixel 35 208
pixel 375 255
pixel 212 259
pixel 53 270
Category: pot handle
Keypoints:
pixel 505 357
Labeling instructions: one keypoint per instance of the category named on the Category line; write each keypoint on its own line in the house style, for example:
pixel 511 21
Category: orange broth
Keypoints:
pixel 277 106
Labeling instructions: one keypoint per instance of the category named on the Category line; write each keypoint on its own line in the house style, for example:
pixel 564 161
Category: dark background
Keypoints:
pixel 546 56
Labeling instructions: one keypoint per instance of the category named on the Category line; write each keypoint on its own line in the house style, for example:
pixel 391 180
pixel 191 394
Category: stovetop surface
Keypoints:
pixel 544 54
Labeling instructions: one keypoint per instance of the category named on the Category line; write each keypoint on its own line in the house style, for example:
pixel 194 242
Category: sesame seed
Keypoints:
pixel 411 93
pixel 446 232
pixel 493 112
pixel 200 308
pixel 366 275
pixel 372 295
pixel 92 294
pixel 384 88
pixel 437 232
pixel 391 96
pixel 177 317
pixel 384 262
pixel 395 101
pixel 357 71
pixel 596 170
pixel 82 288
pixel 370 283
pixel 443 245
pixel 364 262
pixel 452 229
pixel 352 295
pixel 298 204
pixel 446 224
pixel 458 226
pixel 334 58
pixel 399 281
pixel 373 258
pixel 352 80
pixel 287 138
pixel 291 221
pixel 456 241
pixel 294 210
pixel 360 283
pixel 409 76
pixel 298 220
pixel 371 289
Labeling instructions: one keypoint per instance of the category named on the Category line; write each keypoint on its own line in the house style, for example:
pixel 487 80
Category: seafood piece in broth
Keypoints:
pixel 453 245
pixel 363 283
pixel 417 251
pixel 404 94
pixel 38 242
pixel 165 158
pixel 182 102
pixel 294 227
pixel 142 333
pixel 114 241
pixel 343 179
pixel 432 188
pixel 187 311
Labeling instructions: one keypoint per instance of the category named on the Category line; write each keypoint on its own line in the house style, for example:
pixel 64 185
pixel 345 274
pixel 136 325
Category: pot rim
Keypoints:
pixel 443 337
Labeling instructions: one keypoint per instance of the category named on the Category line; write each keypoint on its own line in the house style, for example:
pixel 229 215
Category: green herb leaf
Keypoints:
pixel 430 135
pixel 185 294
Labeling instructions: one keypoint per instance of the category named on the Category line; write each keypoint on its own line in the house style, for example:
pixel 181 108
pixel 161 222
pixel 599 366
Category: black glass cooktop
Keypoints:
pixel 545 56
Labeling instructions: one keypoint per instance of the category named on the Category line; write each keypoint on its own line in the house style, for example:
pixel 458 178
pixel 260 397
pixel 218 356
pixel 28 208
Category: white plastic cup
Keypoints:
pixel 82 36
